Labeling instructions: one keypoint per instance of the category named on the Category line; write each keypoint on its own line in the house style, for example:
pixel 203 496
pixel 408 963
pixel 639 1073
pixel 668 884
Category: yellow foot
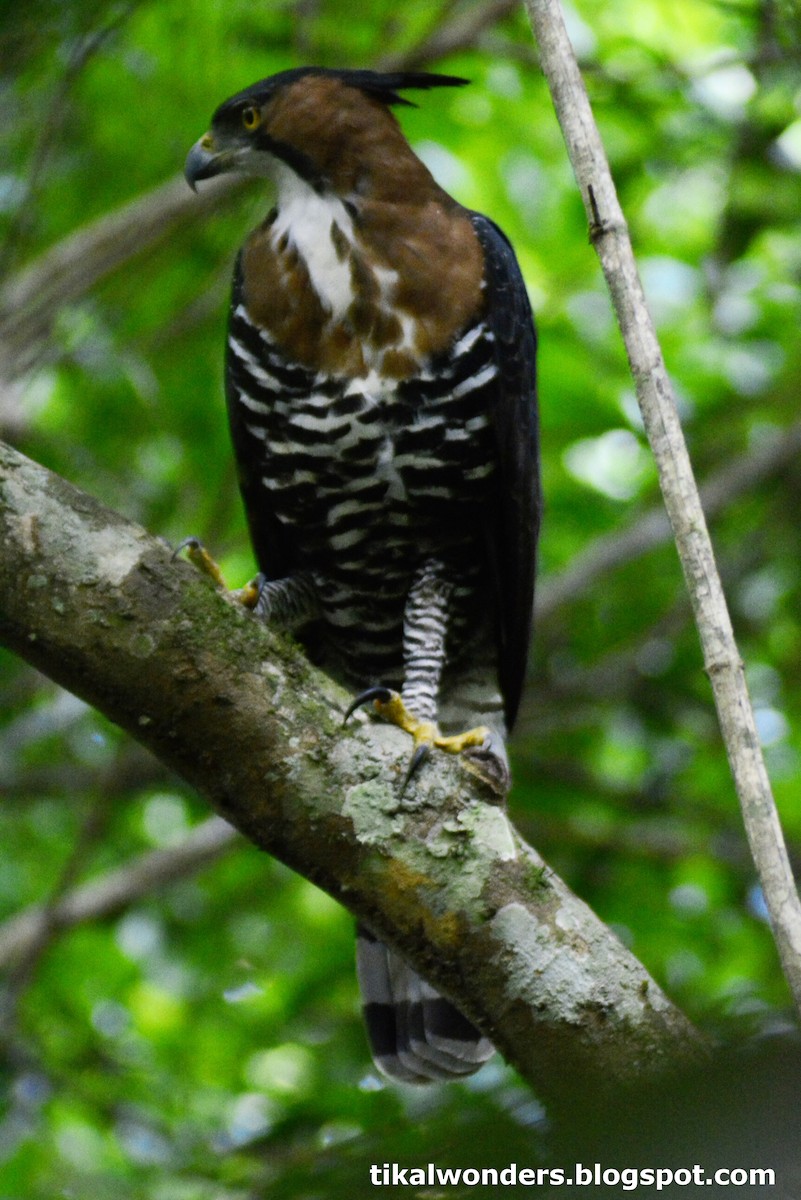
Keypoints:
pixel 199 557
pixel 426 734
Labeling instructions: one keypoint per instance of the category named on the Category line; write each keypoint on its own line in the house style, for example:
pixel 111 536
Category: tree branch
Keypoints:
pixel 96 603
pixel 610 236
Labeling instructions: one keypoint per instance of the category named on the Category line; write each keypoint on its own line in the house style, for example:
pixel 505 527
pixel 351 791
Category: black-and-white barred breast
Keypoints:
pixel 369 478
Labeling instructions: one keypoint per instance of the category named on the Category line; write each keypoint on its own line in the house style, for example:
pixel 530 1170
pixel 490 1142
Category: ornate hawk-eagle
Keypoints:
pixel 380 377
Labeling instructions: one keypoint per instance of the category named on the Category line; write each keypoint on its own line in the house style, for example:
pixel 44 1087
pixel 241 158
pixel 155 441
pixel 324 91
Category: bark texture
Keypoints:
pixel 96 603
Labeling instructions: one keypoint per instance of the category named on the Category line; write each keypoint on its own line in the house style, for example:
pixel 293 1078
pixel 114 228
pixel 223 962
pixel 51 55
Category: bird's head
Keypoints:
pixel 316 121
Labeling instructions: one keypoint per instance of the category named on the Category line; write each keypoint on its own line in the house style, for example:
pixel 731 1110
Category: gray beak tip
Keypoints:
pixel 201 163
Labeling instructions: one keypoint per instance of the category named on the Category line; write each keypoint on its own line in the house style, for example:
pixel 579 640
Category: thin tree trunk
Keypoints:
pixel 722 661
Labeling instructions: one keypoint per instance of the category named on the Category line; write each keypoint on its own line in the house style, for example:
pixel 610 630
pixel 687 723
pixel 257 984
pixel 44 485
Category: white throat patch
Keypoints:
pixel 307 218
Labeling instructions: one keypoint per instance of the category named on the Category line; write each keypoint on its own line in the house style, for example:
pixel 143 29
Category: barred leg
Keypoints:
pixel 287 602
pixel 425 624
pixel 471 697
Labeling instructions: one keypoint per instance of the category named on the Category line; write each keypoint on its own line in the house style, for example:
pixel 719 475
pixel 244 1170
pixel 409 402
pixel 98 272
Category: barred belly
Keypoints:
pixel 372 477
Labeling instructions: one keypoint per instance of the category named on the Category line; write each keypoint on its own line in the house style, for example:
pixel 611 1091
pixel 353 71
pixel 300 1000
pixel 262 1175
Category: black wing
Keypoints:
pixel 514 524
pixel 271 544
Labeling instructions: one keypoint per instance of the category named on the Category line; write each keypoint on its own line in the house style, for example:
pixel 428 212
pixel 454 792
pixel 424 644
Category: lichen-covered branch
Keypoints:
pixel 95 602
pixel 722 661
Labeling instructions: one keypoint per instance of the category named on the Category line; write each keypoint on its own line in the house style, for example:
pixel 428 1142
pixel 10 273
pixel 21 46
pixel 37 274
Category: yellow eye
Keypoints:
pixel 251 118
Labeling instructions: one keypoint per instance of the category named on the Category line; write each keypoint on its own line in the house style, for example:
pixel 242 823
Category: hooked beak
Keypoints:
pixel 204 160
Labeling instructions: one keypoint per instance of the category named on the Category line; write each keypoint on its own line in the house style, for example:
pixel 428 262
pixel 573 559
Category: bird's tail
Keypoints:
pixel 415 1034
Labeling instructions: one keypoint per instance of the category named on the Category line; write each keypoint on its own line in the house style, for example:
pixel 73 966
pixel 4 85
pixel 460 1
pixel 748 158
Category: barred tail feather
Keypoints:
pixel 415 1034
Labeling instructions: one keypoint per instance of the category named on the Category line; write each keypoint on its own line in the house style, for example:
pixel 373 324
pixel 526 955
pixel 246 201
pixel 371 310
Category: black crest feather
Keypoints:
pixel 384 87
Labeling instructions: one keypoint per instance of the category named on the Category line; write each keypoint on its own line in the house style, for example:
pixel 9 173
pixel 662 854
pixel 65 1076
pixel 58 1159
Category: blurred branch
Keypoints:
pixel 105 896
pixel 654 838
pixel 239 713
pixel 460 32
pixel 610 236
pixel 652 529
pixel 32 298
pixel 133 769
pixel 45 928
pixel 617 673
pixel 50 127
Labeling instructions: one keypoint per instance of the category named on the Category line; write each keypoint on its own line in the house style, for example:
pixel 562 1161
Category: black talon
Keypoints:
pixel 194 542
pixel 382 694
pixel 418 758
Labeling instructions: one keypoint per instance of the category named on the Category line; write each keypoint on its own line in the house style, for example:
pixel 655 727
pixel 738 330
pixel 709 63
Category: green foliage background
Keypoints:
pixel 205 1042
